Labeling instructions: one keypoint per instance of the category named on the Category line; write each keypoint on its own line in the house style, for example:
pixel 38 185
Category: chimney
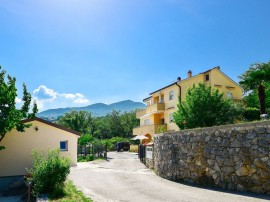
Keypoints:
pixel 178 80
pixel 189 74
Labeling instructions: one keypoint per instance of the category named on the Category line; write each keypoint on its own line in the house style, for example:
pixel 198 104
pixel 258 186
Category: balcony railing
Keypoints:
pixel 148 129
pixel 140 113
pixel 151 109
pixel 155 108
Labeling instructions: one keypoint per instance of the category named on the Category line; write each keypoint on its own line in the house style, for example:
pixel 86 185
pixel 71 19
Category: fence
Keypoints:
pixel 141 149
pixel 97 151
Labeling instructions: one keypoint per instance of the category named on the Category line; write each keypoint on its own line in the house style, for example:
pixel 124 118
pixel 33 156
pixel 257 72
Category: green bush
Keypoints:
pixel 81 159
pixel 49 172
pixel 252 114
pixel 89 157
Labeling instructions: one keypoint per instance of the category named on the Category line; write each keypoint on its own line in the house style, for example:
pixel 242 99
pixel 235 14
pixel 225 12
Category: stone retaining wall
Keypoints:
pixel 229 157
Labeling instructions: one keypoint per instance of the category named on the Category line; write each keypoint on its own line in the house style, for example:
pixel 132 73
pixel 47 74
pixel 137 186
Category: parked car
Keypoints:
pixel 122 146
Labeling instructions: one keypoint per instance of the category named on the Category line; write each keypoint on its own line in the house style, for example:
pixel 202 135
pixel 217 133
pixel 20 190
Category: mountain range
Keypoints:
pixel 98 109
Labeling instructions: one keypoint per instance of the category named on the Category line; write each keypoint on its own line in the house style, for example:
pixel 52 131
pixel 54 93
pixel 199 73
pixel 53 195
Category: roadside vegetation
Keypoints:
pixel 49 176
pixel 70 194
pixel 114 127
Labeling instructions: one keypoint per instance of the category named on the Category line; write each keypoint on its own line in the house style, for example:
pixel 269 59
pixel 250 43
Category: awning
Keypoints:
pixel 139 137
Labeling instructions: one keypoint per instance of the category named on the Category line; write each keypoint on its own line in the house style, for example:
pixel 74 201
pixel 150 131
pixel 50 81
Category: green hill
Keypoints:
pixel 98 109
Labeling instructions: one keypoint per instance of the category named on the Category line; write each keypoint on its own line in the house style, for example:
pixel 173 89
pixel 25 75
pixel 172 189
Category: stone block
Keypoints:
pixel 263 143
pixel 240 187
pixel 220 161
pixel 210 162
pixel 246 144
pixel 251 135
pixel 264 174
pixel 228 170
pixel 266 186
pixel 260 130
pixel 256 189
pixel 242 171
pixel 235 143
pixel 231 186
pixel 225 142
pixel 265 159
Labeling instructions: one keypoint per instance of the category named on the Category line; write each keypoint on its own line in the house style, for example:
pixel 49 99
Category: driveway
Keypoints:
pixel 124 178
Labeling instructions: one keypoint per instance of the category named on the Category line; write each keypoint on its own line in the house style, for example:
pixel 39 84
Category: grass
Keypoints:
pixel 70 194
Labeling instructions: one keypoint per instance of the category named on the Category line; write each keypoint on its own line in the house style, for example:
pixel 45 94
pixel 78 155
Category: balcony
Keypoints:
pixel 148 129
pixel 157 107
pixel 151 109
pixel 140 113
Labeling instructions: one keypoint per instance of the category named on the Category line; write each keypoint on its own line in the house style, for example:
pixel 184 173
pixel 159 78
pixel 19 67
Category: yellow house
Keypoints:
pixel 42 134
pixel 162 103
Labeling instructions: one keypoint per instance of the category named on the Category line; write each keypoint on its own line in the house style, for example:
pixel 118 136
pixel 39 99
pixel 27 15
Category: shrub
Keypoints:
pixel 81 159
pixel 252 114
pixel 161 129
pixel 89 157
pixel 49 172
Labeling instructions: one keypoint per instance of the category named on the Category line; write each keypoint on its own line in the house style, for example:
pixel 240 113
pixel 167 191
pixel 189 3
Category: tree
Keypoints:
pixel 81 121
pixel 10 116
pixel 114 124
pixel 129 121
pixel 85 139
pixel 203 107
pixel 251 99
pixel 255 78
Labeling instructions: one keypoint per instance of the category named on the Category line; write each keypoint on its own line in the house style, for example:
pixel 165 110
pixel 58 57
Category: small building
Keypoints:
pixel 162 103
pixel 41 135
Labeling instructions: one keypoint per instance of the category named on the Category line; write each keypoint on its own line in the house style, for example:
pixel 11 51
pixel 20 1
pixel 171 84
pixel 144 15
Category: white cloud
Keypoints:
pixel 18 100
pixel 81 101
pixel 47 98
pixel 69 95
pixel 44 93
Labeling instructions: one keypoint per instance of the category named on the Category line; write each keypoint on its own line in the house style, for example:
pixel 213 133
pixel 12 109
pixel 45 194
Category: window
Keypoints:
pixel 146 122
pixel 162 121
pixel 207 77
pixel 161 100
pixel 64 145
pixel 229 95
pixel 171 117
pixel 171 95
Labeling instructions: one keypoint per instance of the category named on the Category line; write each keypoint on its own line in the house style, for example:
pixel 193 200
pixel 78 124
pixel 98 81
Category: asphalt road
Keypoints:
pixel 124 178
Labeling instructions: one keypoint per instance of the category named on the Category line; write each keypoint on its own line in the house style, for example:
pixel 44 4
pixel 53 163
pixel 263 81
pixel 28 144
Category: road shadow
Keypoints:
pixel 234 192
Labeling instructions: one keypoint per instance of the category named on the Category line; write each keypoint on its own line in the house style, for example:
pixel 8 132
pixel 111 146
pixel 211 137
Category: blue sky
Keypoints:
pixel 79 52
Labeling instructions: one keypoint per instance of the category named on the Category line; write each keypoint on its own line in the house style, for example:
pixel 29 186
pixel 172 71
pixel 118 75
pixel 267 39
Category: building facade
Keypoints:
pixel 162 103
pixel 42 135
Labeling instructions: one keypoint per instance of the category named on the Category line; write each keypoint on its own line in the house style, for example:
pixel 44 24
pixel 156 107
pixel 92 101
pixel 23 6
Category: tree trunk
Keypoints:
pixel 261 94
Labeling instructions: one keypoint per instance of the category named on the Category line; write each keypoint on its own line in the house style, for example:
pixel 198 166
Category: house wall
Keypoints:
pixel 219 78
pixel 18 153
pixel 170 106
